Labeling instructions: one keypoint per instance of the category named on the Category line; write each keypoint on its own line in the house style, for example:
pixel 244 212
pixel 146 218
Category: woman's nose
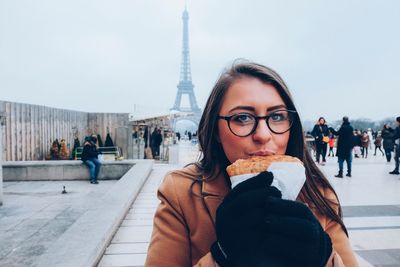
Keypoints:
pixel 262 134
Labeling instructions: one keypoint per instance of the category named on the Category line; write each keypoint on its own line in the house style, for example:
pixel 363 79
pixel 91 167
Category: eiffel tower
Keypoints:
pixel 185 86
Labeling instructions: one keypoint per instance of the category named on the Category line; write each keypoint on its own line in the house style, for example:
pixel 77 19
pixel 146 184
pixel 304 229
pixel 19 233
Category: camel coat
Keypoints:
pixel 184 224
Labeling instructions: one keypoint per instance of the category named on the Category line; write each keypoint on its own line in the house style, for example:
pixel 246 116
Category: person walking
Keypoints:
pixel 364 144
pixel 378 143
pixel 202 221
pixel 321 135
pixel 396 139
pixel 345 143
pixel 90 158
pixel 357 143
pixel 155 141
pixel 331 145
pixel 388 144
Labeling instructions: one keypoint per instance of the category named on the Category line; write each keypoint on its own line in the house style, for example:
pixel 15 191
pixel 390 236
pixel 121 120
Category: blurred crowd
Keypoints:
pixel 351 142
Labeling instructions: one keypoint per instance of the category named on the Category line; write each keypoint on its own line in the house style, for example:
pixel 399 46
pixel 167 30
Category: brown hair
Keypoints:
pixel 213 160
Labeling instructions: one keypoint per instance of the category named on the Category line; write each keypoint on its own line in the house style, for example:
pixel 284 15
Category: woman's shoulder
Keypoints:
pixel 180 180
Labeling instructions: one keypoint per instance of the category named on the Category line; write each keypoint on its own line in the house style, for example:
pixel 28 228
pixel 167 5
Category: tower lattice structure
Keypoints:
pixel 185 86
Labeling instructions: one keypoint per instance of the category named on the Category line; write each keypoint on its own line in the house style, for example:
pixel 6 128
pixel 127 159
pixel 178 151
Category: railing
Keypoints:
pixel 109 153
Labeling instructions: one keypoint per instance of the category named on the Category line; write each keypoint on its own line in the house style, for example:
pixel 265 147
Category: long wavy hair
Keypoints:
pixel 213 160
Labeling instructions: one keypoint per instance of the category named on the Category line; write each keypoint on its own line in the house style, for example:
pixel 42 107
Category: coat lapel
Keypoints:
pixel 213 192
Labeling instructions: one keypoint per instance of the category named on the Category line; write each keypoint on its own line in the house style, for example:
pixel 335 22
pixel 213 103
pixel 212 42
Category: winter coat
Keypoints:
pixel 378 141
pixel 345 141
pixel 156 139
pixel 364 140
pixel 184 222
pixel 387 135
pixel 89 152
pixel 396 138
pixel 319 131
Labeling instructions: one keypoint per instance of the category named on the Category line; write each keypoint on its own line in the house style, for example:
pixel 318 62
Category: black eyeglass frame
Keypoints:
pixel 291 114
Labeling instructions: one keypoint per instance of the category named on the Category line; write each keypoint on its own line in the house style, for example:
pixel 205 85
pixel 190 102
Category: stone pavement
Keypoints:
pixel 370 200
pixel 40 226
pixel 35 214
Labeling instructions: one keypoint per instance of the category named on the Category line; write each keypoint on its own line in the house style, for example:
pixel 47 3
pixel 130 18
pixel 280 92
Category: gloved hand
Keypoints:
pixel 240 222
pixel 292 236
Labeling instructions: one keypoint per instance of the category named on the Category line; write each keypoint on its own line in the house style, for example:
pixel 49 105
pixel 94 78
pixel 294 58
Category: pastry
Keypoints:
pixel 257 164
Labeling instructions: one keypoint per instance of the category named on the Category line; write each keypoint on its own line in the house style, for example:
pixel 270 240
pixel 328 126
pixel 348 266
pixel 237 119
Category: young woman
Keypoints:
pixel 364 144
pixel 202 222
pixel 321 135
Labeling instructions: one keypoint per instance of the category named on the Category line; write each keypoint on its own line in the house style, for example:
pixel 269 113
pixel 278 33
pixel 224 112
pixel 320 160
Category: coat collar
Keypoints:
pixel 213 192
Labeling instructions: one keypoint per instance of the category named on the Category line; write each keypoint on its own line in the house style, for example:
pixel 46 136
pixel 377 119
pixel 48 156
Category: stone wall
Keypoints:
pixel 28 130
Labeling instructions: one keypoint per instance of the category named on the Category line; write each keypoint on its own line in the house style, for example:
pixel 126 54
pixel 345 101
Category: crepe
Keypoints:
pixel 257 164
pixel 288 172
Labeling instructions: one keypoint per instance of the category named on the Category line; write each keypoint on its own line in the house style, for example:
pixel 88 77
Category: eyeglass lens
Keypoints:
pixel 244 124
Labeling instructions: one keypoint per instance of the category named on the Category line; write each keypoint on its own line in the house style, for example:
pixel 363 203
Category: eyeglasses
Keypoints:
pixel 244 124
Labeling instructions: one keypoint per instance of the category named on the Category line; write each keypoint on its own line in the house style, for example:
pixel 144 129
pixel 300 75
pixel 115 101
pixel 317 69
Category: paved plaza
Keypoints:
pixel 36 214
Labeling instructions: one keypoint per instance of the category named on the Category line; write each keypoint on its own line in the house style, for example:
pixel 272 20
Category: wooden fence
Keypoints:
pixel 29 130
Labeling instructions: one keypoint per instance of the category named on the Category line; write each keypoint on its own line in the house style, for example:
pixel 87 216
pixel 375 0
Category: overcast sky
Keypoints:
pixel 338 57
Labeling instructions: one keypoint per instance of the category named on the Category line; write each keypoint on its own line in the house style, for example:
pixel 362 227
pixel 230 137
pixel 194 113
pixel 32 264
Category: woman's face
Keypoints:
pixel 322 121
pixel 250 95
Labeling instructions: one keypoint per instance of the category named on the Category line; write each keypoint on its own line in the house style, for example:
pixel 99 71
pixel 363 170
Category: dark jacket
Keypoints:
pixel 89 152
pixel 345 140
pixel 387 135
pixel 156 139
pixel 396 136
pixel 319 131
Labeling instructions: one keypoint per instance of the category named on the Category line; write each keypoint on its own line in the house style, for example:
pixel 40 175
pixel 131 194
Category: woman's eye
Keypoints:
pixel 278 117
pixel 242 118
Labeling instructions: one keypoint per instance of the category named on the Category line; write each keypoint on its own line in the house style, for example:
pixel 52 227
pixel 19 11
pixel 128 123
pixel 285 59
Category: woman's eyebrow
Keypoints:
pixel 276 107
pixel 250 108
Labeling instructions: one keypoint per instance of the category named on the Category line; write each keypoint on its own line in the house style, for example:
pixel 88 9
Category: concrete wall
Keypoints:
pixel 61 170
pixel 1 163
pixel 124 140
pixel 28 130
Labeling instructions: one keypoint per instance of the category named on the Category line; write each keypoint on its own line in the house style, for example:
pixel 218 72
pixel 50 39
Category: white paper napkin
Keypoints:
pixel 289 178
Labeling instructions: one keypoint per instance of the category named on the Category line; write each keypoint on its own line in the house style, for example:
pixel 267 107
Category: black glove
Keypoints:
pixel 240 220
pixel 292 235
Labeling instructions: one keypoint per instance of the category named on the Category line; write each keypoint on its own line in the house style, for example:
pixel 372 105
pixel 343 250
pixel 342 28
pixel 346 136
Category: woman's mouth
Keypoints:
pixel 262 153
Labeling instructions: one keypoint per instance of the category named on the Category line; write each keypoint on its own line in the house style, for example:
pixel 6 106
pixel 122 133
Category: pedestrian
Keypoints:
pixel 321 135
pixel 146 136
pixel 370 133
pixel 54 151
pixel 90 158
pixel 396 139
pixel 345 143
pixel 388 144
pixel 364 144
pixel 357 143
pixel 331 145
pixel 201 221
pixel 378 143
pixel 155 141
